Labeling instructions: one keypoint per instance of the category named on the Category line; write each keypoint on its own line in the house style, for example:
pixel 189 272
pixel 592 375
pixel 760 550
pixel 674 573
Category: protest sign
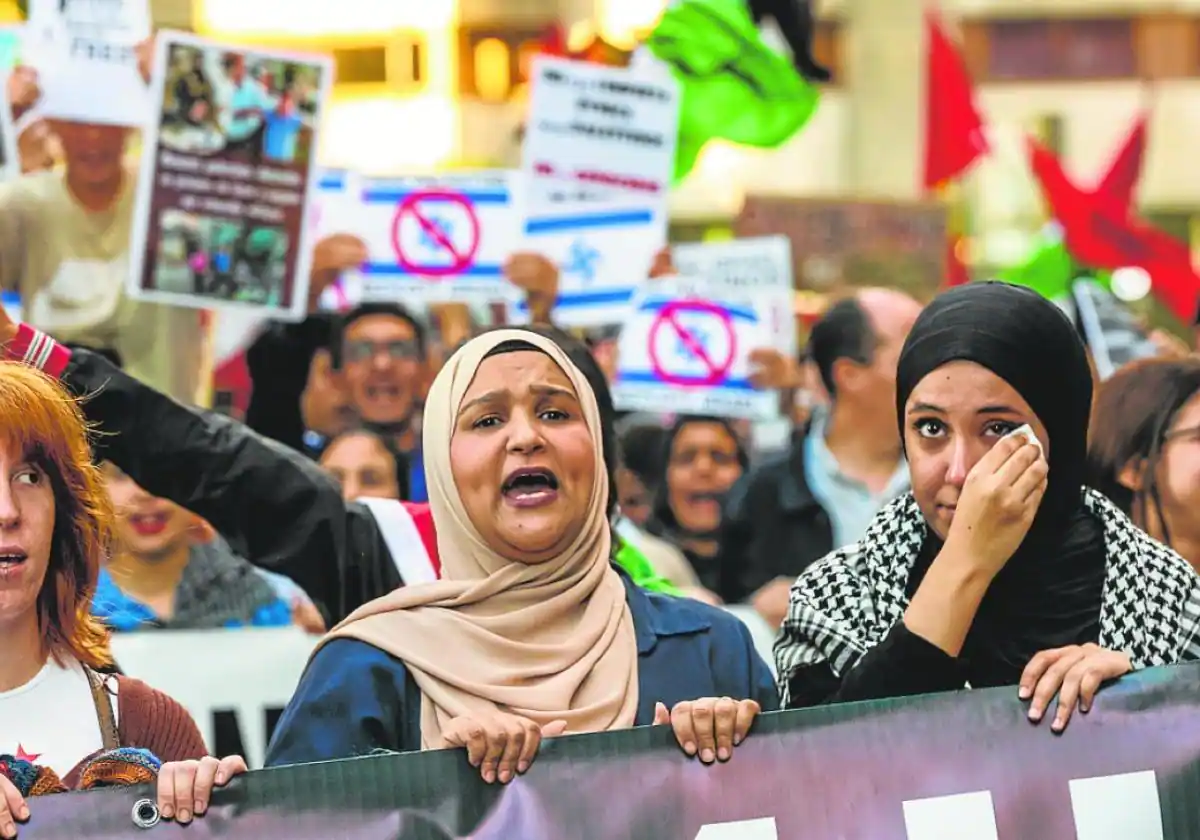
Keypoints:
pixel 85 55
pixel 234 683
pixel 961 766
pixel 334 209
pixel 226 178
pixel 686 343
pixel 439 239
pixel 840 243
pixel 1113 335
pixel 598 156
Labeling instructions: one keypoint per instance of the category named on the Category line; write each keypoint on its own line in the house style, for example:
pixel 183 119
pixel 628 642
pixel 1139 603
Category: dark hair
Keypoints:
pixel 582 358
pixel 1131 419
pixel 642 448
pixel 844 332
pixel 662 518
pixel 401 461
pixel 366 310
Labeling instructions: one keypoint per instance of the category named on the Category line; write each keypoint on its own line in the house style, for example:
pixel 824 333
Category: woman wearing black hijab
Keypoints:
pixel 1000 567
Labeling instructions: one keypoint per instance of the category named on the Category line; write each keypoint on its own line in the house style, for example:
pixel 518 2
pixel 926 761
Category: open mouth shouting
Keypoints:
pixel 148 524
pixel 12 561
pixel 530 487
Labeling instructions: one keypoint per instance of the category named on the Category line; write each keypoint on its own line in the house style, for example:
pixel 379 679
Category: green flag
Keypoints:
pixel 732 85
pixel 1050 269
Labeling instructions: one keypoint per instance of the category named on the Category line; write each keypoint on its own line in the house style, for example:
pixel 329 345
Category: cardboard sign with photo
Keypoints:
pixel 227 177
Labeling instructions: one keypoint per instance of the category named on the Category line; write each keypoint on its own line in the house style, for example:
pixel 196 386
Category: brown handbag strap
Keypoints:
pixel 104 711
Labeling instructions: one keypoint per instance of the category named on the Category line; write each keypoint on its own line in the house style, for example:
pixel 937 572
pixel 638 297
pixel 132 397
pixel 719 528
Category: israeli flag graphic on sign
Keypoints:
pixel 685 346
pixel 604 250
pixel 439 239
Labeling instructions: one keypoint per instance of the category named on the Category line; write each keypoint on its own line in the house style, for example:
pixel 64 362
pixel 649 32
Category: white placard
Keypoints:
pixel 685 347
pixel 227 177
pixel 246 671
pixel 603 249
pixel 85 55
pixel 598 155
pixel 960 816
pixel 334 210
pixel 605 127
pixel 1117 807
pixel 438 239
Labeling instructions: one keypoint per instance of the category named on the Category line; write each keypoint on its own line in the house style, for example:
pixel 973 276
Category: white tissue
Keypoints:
pixel 1026 432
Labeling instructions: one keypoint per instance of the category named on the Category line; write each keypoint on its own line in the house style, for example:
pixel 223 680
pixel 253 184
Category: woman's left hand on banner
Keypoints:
pixel 1073 673
pixel 710 727
pixel 185 787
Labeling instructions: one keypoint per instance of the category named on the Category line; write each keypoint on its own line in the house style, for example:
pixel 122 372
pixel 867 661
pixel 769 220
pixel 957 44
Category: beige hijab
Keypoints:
pixel 553 641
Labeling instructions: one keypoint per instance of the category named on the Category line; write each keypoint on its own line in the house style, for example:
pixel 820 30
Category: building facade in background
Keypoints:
pixel 442 83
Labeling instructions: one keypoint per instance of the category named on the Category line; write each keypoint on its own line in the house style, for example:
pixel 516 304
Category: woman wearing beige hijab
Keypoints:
pixel 532 631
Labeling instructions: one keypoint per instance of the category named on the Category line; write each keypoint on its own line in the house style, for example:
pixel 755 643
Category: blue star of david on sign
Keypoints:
pixel 684 350
pixel 582 259
pixel 444 225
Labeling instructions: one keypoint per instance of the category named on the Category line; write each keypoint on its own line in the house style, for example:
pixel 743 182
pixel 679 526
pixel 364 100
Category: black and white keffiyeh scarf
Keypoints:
pixel 846 603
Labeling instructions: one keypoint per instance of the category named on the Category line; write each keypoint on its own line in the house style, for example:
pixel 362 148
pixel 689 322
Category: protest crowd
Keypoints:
pixel 480 505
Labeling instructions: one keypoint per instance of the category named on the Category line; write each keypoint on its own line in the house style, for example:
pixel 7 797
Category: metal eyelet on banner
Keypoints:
pixel 145 813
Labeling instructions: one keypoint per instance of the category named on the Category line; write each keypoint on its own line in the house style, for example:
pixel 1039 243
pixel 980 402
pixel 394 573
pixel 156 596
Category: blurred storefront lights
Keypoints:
pixel 323 17
pixel 622 21
pixel 389 127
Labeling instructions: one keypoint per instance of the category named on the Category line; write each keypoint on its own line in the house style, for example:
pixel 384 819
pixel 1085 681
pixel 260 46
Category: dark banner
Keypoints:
pixel 967 766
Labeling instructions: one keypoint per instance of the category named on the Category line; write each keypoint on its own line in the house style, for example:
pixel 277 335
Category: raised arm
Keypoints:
pixel 276 507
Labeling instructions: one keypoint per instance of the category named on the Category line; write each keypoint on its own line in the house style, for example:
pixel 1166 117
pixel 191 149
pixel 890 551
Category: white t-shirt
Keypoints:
pixel 51 720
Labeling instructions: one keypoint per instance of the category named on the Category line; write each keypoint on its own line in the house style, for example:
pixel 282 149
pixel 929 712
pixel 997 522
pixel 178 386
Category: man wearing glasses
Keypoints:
pixel 381 354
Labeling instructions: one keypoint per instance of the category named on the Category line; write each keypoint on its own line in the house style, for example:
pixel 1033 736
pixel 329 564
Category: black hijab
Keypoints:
pixel 1049 593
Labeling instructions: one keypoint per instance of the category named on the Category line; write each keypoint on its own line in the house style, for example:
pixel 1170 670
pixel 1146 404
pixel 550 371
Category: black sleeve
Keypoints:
pixel 745 566
pixel 278 361
pixel 276 507
pixel 902 665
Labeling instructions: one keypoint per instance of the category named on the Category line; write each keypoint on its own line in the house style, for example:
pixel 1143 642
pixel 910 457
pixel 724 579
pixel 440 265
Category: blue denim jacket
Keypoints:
pixel 355 699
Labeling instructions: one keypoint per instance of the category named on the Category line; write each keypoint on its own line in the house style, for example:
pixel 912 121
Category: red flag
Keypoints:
pixel 954 135
pixel 1120 182
pixel 1101 233
pixel 554 41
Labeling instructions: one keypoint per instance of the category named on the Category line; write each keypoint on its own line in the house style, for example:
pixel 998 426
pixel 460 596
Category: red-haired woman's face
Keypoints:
pixel 26 534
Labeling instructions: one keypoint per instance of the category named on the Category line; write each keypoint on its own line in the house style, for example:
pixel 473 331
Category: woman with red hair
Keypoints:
pixel 59 712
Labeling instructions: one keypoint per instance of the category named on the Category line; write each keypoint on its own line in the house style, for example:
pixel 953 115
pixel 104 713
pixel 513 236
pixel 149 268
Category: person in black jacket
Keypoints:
pixel 275 506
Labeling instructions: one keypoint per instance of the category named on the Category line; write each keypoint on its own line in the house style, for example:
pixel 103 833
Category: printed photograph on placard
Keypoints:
pixel 220 258
pixel 228 177
pixel 229 103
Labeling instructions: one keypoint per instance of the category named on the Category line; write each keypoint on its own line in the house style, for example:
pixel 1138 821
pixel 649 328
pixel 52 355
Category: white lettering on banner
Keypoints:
pixel 963 816
pixel 1119 807
pixel 248 671
pixel 763 829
